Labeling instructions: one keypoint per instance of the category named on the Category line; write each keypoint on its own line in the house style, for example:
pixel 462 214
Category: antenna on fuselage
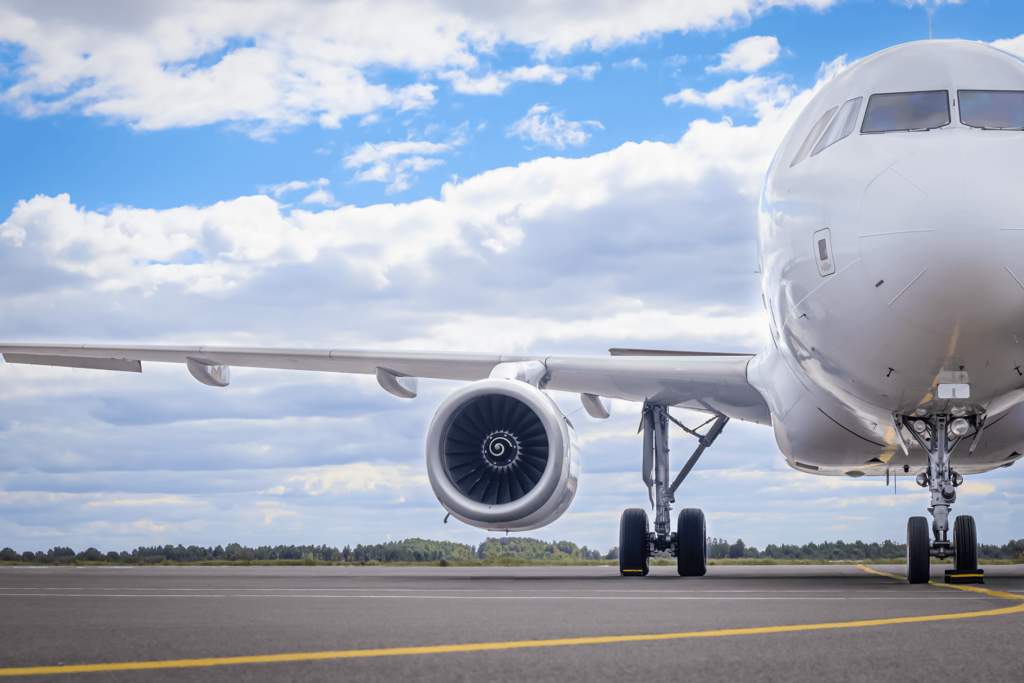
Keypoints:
pixel 929 28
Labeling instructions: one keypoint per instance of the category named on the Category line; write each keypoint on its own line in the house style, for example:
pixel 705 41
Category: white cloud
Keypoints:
pixel 142 502
pixel 545 127
pixel 362 476
pixel 496 82
pixel 634 320
pixel 760 93
pixel 320 196
pixel 12 233
pixel 675 60
pixel 217 248
pixel 281 188
pixel 149 527
pixel 396 162
pixel 929 3
pixel 1011 45
pixel 267 66
pixel 748 55
pixel 635 63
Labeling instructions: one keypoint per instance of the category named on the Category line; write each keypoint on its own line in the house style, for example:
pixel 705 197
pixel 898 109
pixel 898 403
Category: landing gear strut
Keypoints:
pixel 939 435
pixel 636 542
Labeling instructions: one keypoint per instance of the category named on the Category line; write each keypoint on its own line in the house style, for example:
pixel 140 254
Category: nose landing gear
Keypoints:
pixel 934 436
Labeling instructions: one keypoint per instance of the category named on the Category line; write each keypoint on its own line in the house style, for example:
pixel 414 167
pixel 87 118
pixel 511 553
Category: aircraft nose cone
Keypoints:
pixel 943 240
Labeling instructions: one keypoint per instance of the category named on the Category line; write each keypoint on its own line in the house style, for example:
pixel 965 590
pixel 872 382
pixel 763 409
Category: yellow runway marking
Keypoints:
pixel 524 644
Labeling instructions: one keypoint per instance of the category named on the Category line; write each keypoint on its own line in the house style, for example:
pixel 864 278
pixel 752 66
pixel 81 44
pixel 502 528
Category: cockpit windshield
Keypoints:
pixel 906 111
pixel 998 109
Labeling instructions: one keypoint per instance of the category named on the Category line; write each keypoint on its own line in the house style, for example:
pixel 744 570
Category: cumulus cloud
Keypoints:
pixel 714 324
pixel 215 249
pixel 281 188
pixel 320 196
pixel 395 162
pixel 546 127
pixel 496 82
pixel 760 93
pixel 1011 45
pixel 748 55
pixel 635 63
pixel 929 3
pixel 362 476
pixel 267 66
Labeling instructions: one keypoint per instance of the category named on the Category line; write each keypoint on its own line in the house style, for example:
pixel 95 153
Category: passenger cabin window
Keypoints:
pixel 992 109
pixel 843 124
pixel 906 111
pixel 812 136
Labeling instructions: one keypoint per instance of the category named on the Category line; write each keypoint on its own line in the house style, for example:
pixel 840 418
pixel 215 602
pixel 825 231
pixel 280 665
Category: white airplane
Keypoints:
pixel 891 251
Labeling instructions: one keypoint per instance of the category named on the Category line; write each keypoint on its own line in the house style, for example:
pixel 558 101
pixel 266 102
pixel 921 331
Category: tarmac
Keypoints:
pixel 738 623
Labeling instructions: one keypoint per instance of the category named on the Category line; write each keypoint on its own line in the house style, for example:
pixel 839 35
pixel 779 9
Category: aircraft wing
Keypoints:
pixel 715 383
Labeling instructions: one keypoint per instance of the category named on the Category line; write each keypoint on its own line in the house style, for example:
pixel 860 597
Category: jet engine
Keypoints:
pixel 502 456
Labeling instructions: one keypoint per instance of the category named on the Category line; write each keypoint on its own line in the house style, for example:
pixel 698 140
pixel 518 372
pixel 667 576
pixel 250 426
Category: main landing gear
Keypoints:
pixel 939 435
pixel 636 541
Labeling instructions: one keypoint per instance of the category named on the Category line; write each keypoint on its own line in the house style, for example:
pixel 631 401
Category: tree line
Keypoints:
pixel 514 547
pixel 839 550
pixel 234 552
pixel 409 550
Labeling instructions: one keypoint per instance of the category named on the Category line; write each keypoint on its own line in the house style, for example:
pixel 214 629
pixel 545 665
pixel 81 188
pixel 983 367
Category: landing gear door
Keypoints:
pixel 823 252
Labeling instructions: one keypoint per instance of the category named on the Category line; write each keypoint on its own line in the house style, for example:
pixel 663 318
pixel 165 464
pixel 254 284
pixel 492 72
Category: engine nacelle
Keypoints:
pixel 502 456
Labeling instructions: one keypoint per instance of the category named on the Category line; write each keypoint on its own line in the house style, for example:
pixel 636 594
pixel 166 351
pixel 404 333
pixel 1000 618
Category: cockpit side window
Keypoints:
pixel 992 109
pixel 906 111
pixel 841 126
pixel 812 136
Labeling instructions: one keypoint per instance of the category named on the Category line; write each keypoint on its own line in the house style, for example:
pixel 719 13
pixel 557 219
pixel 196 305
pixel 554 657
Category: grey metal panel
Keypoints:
pixel 656 352
pixel 428 364
pixel 710 383
pixel 73 362
pixel 160 354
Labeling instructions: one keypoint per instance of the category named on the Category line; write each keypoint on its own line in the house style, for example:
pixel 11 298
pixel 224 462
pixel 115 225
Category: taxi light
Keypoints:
pixel 959 426
pixel 920 426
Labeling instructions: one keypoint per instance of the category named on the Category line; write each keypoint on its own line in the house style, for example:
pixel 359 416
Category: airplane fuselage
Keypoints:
pixel 892 261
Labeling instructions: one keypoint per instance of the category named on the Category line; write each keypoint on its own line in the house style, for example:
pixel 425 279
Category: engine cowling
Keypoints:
pixel 502 456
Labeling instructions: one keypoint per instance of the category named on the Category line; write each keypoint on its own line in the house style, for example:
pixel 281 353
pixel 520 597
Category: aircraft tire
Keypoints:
pixel 691 549
pixel 634 556
pixel 965 544
pixel 918 547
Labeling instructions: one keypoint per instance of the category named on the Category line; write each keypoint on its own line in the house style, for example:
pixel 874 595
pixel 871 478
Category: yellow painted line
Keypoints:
pixel 972 589
pixel 525 644
pixel 874 571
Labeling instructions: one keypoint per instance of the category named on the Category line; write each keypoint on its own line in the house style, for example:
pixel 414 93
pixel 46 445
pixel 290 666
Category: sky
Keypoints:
pixel 539 177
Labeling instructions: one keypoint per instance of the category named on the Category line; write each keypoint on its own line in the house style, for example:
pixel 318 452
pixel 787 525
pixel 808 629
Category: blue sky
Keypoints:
pixel 543 177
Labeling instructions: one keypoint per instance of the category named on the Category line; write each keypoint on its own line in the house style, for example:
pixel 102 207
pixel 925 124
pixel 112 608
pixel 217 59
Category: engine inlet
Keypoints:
pixel 495 449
